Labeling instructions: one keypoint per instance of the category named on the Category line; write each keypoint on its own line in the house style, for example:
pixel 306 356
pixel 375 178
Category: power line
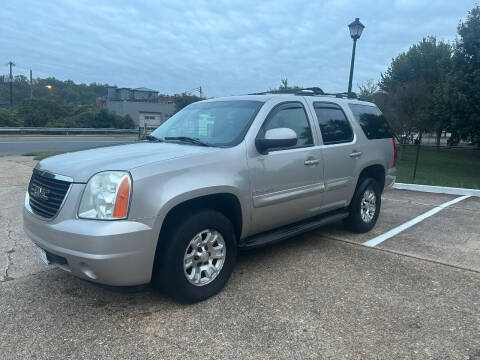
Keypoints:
pixel 199 89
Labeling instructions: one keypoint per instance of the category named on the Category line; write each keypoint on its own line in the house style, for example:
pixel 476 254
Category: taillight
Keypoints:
pixel 394 152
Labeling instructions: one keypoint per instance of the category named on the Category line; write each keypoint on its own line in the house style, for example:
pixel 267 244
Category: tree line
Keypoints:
pixel 63 103
pixel 40 112
pixel 56 103
pixel 434 87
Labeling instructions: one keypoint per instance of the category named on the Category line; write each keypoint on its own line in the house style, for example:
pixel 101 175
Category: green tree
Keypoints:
pixel 465 102
pixel 415 82
pixel 39 112
pixel 368 90
pixel 90 116
pixel 7 118
pixel 63 92
pixel 184 99
pixel 284 88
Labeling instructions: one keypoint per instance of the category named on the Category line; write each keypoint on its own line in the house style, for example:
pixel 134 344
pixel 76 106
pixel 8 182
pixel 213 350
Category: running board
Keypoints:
pixel 285 232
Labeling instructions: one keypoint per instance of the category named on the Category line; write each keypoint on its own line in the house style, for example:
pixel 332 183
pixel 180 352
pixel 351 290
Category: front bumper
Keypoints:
pixel 118 253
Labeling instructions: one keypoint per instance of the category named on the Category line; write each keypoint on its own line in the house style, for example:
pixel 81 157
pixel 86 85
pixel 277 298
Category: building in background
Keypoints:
pixel 143 105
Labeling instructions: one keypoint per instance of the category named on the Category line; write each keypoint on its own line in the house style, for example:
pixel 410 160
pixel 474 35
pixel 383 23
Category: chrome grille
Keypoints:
pixel 46 193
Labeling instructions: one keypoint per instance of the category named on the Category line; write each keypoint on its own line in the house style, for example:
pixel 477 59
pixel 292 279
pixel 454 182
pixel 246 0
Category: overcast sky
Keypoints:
pixel 228 47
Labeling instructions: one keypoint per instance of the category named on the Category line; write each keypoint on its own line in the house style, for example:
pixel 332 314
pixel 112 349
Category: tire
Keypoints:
pixel 355 222
pixel 195 282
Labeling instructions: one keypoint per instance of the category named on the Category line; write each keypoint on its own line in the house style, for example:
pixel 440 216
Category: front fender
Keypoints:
pixel 160 187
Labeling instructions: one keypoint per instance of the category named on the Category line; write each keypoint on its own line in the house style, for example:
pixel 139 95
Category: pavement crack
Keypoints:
pixel 7 277
pixel 10 232
pixel 9 253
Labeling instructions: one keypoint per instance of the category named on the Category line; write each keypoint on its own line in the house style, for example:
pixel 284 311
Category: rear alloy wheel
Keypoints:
pixel 196 256
pixel 365 206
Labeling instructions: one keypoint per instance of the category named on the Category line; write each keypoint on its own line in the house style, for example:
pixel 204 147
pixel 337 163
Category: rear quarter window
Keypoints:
pixel 372 121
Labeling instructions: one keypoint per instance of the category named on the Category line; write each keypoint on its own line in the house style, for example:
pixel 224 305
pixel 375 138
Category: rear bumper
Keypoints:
pixel 118 253
pixel 390 177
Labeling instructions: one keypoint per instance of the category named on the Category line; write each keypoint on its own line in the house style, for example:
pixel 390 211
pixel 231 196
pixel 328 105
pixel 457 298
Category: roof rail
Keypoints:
pixel 310 91
pixel 260 93
pixel 345 95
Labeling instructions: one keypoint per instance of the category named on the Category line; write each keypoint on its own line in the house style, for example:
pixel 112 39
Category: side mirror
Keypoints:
pixel 276 139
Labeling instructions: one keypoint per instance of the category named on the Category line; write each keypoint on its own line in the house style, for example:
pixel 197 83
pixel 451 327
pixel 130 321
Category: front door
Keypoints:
pixel 287 183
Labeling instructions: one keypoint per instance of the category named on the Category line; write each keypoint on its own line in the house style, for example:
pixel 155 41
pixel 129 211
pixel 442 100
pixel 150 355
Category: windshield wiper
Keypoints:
pixel 187 140
pixel 153 138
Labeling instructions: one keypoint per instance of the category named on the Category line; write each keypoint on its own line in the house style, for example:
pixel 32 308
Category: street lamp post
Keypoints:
pixel 356 29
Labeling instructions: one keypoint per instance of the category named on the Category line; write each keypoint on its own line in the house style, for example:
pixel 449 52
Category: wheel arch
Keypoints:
pixel 226 202
pixel 375 171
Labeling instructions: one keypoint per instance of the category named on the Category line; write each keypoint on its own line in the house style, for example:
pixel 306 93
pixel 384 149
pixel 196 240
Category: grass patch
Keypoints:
pixel 442 167
pixel 40 155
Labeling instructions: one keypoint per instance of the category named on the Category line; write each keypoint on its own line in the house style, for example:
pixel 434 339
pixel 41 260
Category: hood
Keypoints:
pixel 81 165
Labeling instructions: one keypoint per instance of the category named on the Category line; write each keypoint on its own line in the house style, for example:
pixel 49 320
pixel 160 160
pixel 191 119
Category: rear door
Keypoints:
pixel 341 153
pixel 378 132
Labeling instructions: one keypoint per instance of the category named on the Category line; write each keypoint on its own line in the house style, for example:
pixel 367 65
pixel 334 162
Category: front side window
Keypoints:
pixel 372 121
pixel 291 116
pixel 334 125
pixel 216 123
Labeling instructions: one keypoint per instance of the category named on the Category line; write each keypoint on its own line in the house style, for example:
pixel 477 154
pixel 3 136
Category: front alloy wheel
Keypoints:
pixel 204 257
pixel 195 255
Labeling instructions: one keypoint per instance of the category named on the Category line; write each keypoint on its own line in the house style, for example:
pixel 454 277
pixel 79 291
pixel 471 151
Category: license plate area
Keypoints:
pixel 42 255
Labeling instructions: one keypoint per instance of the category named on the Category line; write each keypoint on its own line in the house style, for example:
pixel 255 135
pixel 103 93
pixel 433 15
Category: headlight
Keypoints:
pixel 106 196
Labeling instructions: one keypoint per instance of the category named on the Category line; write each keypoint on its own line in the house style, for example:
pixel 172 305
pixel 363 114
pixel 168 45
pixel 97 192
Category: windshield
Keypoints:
pixel 216 123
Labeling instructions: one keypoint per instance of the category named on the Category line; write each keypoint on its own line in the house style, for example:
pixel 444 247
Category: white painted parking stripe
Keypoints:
pixel 381 238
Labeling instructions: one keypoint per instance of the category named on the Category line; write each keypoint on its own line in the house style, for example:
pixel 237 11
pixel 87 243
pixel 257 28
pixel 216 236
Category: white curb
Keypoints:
pixel 437 189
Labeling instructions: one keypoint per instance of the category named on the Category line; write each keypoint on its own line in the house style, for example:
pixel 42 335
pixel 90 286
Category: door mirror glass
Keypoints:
pixel 276 139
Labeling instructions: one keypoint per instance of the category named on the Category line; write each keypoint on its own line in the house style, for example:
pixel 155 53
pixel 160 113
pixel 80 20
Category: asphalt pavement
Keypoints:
pixel 322 295
pixel 18 145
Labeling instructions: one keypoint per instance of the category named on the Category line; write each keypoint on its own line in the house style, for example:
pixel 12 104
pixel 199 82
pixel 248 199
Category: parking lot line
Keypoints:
pixel 395 231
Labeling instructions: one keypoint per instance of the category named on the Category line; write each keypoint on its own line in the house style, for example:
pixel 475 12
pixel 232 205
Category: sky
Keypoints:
pixel 228 47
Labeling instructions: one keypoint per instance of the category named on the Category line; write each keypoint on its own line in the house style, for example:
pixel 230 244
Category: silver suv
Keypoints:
pixel 220 175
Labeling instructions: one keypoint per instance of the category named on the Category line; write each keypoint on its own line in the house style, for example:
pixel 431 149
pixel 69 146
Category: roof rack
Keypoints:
pixel 314 91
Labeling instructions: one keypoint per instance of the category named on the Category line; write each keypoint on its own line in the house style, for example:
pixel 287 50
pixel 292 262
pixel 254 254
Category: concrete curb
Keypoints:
pixel 437 189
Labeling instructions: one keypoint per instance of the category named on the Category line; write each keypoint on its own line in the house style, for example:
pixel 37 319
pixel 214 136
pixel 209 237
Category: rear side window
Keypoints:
pixel 372 121
pixel 292 116
pixel 333 123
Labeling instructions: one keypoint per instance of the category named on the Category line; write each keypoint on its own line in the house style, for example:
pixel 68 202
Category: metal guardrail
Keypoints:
pixel 66 130
pixel 140 131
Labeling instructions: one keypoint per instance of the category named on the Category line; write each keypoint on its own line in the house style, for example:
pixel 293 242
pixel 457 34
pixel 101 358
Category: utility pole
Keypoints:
pixel 201 92
pixel 31 84
pixel 10 79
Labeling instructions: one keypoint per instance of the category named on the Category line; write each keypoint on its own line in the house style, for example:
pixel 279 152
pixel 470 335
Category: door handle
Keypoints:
pixel 355 154
pixel 311 162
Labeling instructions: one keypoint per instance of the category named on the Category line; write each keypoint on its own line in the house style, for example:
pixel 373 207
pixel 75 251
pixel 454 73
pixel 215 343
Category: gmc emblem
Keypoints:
pixel 39 192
